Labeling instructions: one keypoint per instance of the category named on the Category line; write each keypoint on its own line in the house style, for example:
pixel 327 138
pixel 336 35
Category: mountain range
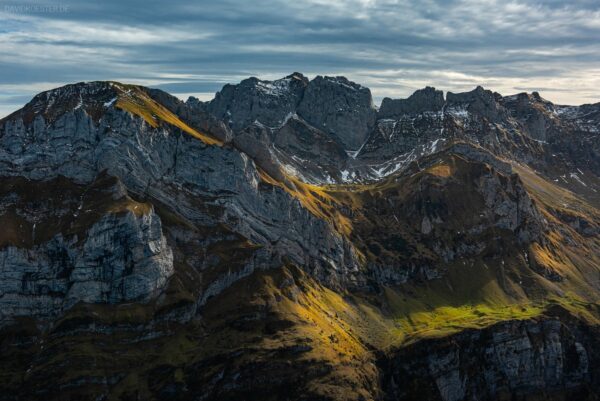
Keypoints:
pixel 289 240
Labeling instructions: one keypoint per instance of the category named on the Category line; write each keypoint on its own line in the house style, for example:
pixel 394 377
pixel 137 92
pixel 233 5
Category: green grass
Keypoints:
pixel 447 320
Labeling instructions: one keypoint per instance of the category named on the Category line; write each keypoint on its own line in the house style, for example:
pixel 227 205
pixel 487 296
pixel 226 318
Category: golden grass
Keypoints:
pixel 553 196
pixel 475 295
pixel 136 101
pixel 317 317
pixel 447 320
pixel 316 199
pixel 440 170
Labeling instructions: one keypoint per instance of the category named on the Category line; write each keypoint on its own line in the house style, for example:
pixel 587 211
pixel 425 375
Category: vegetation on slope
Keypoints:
pixel 134 100
pixel 63 207
pixel 502 283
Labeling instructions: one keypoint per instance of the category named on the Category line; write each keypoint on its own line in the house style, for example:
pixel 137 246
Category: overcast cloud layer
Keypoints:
pixel 391 46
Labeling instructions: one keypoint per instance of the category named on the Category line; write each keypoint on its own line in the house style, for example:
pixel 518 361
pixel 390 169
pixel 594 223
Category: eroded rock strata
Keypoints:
pixel 290 240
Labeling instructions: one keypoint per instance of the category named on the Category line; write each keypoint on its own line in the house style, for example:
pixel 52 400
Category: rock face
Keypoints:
pixel 65 243
pixel 151 162
pixel 309 151
pixel 535 113
pixel 479 101
pixel 268 102
pixel 334 105
pixel 513 360
pixel 121 259
pixel 427 99
pixel 341 107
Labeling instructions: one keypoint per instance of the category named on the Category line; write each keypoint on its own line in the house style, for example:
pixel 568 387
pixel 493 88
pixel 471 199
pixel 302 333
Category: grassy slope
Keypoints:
pixel 134 100
pixel 342 329
pixel 458 301
pixel 477 292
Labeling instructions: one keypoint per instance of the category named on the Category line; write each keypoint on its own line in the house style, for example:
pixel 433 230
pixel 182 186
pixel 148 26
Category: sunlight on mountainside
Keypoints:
pixel 475 293
pixel 136 101
pixel 314 198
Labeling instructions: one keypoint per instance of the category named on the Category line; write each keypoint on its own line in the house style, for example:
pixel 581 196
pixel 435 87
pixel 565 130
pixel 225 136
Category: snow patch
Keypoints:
pixel 110 102
pixel 576 178
pixel 457 111
pixel 80 103
pixel 434 145
pixel 274 88
pixel 567 111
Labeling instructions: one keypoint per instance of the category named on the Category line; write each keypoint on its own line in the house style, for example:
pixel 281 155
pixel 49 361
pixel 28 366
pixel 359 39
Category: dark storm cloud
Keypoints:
pixel 392 46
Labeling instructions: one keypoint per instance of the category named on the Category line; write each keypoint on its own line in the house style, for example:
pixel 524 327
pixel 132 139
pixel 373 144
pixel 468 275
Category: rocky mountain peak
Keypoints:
pixel 335 105
pixel 341 107
pixel 537 115
pixel 90 96
pixel 479 101
pixel 478 94
pixel 268 102
pixel 298 76
pixel 338 80
pixel 426 99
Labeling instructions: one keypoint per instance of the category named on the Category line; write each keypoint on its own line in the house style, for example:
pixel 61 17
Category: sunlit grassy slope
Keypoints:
pixel 474 295
pixel 340 330
pixel 134 100
pixel 316 199
pixel 475 292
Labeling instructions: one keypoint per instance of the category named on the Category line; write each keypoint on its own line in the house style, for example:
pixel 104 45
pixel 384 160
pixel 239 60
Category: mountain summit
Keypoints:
pixel 290 241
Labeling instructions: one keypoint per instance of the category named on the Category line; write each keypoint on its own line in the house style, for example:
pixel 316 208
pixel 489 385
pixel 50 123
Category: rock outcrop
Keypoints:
pixel 427 99
pixel 122 258
pixel 268 102
pixel 512 360
pixel 479 102
pixel 341 107
pixel 334 105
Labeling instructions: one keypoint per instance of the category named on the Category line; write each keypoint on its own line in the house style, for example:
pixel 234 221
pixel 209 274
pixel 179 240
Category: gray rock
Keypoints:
pixel 525 107
pixel 314 155
pixel 426 99
pixel 338 106
pixel 156 163
pixel 122 258
pixel 268 102
pixel 516 358
pixel 479 101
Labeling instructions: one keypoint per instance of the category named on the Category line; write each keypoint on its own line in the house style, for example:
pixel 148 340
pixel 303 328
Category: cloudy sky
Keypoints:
pixel 391 46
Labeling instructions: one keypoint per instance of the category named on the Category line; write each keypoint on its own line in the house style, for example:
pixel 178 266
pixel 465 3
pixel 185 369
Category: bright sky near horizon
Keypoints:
pixel 392 46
